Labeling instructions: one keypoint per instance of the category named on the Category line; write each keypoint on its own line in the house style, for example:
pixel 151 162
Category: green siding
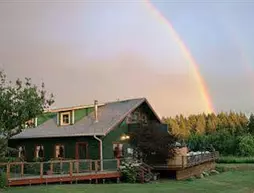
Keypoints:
pixel 114 136
pixel 49 146
pixel 80 113
pixel 45 117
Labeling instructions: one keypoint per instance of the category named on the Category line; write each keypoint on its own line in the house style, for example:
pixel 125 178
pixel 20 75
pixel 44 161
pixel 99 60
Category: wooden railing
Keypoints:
pixel 180 162
pixel 192 160
pixel 200 158
pixel 56 167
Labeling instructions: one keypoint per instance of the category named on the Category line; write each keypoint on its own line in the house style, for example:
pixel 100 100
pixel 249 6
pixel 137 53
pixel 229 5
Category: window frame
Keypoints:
pixel 58 144
pixel 62 114
pixel 35 150
pixel 122 149
pixel 19 152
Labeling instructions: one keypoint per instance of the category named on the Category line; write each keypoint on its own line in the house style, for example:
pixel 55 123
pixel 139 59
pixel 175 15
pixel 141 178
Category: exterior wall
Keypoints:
pixel 45 117
pixel 114 136
pixel 78 115
pixel 49 147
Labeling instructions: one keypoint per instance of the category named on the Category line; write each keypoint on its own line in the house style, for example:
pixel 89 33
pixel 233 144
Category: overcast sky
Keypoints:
pixel 108 50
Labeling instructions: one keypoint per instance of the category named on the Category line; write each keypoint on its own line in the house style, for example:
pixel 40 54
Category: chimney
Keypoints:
pixel 95 111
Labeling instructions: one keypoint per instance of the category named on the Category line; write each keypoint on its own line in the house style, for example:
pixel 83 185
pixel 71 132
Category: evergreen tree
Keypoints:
pixel 201 124
pixel 251 124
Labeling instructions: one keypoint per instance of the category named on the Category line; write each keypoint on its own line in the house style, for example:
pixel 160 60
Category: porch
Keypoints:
pixel 28 173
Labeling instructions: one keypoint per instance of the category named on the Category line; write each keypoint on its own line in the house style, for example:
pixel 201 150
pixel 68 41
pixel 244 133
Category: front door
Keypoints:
pixel 81 150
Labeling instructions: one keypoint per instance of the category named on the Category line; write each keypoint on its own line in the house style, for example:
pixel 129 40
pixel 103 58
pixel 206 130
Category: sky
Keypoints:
pixel 109 50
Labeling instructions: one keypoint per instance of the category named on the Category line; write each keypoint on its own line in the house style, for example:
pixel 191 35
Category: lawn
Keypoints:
pixel 231 181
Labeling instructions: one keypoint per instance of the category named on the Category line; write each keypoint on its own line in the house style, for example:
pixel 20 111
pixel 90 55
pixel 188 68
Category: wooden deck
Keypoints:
pixel 28 173
pixel 183 162
pixel 45 179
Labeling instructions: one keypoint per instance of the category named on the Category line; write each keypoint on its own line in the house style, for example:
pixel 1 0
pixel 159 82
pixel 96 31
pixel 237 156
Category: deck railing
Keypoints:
pixel 192 160
pixel 180 162
pixel 57 167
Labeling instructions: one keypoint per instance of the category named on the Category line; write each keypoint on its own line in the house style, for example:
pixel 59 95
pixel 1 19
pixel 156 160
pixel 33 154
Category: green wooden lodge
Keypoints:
pixel 97 132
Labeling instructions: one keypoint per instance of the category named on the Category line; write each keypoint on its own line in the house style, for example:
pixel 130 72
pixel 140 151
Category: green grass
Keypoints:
pixel 234 167
pixel 233 159
pixel 231 181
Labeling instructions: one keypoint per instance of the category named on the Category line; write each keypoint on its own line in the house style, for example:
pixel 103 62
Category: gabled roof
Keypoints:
pixel 109 115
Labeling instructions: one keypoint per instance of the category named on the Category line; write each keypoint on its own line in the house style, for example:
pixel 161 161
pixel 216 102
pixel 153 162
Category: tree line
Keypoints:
pixel 230 133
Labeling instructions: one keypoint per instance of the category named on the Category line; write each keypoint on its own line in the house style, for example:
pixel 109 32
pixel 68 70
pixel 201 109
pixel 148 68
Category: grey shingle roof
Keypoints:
pixel 109 115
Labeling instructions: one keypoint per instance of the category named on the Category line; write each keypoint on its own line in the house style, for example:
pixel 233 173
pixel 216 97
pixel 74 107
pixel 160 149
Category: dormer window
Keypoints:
pixel 66 118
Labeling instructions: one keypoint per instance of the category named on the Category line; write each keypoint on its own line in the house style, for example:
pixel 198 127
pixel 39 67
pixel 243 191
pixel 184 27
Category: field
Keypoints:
pixel 231 181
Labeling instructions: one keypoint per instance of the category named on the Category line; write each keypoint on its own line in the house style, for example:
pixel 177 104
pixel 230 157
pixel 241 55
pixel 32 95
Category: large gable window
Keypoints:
pixel 66 118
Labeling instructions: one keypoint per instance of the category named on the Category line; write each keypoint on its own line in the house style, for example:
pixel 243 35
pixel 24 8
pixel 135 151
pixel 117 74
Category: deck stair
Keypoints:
pixel 144 173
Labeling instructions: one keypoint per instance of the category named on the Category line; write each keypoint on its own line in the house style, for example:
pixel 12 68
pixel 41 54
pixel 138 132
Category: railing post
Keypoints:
pixel 8 170
pixel 22 169
pixel 77 166
pixel 51 167
pixel 118 163
pixel 96 165
pixel 90 165
pixel 41 169
pixel 61 166
pixel 71 168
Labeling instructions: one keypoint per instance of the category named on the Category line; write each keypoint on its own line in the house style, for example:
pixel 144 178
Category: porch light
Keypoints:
pixel 124 137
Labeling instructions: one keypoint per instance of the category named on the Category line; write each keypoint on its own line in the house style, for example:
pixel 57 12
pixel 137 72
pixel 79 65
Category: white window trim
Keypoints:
pixel 66 113
pixel 20 148
pixel 37 148
pixel 57 150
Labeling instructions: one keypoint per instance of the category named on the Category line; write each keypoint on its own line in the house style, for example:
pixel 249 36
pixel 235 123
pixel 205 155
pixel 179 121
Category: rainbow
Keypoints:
pixel 188 56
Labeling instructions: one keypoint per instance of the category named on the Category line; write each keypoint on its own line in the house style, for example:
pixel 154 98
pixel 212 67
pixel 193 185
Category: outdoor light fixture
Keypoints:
pixel 124 137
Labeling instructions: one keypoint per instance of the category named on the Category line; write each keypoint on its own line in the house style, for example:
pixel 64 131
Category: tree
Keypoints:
pixel 251 124
pixel 201 124
pixel 152 142
pixel 19 102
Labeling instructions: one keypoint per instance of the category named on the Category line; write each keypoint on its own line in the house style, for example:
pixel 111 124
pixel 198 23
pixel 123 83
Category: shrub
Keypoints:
pixel 3 179
pixel 246 145
pixel 233 159
pixel 128 172
pixel 222 140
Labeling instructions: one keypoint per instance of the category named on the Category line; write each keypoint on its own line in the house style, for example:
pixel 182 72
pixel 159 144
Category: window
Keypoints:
pixel 59 151
pixel 65 118
pixel 118 150
pixel 21 152
pixel 136 116
pixel 39 151
pixel 144 119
